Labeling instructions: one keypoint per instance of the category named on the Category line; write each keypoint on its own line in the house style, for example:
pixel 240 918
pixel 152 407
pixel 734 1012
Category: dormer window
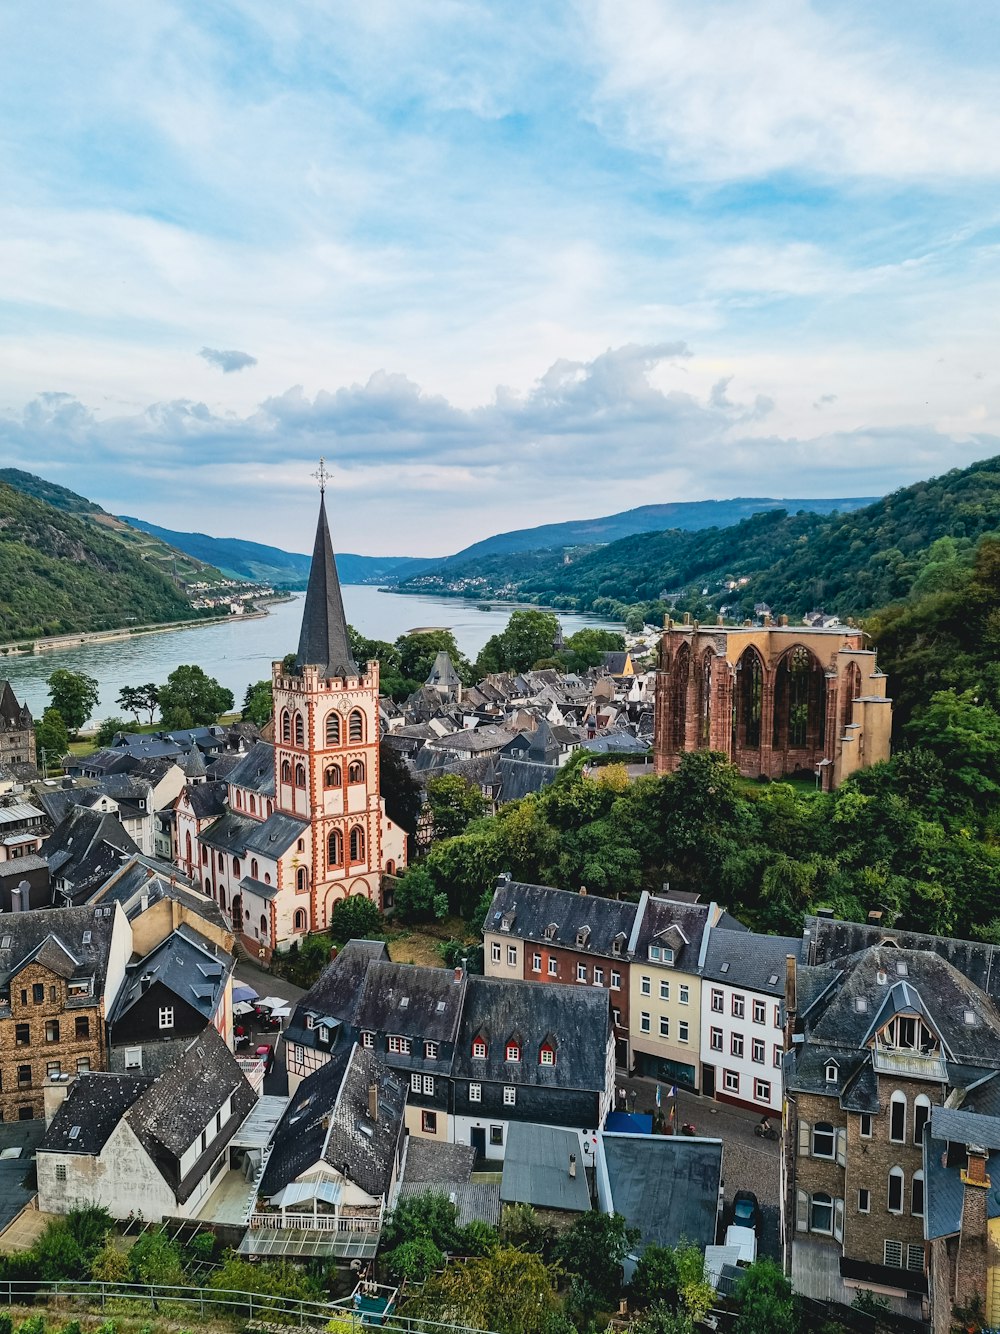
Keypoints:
pixel 546 1056
pixel 479 1049
pixel 513 1051
pixel 310 1021
pixel 832 1072
pixel 550 931
pixel 583 936
pixel 324 1033
pixel 616 946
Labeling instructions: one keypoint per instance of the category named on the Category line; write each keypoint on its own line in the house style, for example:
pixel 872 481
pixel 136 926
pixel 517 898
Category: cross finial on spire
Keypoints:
pixel 322 476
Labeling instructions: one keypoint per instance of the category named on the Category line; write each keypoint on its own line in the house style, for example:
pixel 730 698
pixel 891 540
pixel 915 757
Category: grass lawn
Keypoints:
pixel 421 944
pixel 801 786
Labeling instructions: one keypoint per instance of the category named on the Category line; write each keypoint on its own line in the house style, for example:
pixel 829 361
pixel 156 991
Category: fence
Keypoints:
pixel 263 1310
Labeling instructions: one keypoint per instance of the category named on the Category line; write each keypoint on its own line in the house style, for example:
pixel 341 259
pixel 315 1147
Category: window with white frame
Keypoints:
pixel 509 1095
pixel 581 972
pixel 513 1051
pixel 368 1040
pixel 414 1083
pixel 865 1125
pixel 777 1016
pixel 917 1195
pixel 536 963
pixel 731 1081
pixel 616 1015
pixel 757 1051
pixel 598 976
pixel 684 994
pixel 616 980
pixel 718 1000
pixel 664 1026
pixel 553 967
pixel 821 1213
pixel 646 986
pixel 428 1085
pixel 715 1039
pixel 824 1140
pixel 897 1118
pixel 761 1090
pixel 738 1007
pixel 511 956
pixel 430 1051
pixel 400 1046
pixel 683 1031
pixel 644 1022
pixel 479 1049
pixel 495 951
pixel 166 1016
pixel 776 1057
pixel 475 1092
pixel 736 1044
pixel 546 1056
pixel 759 1011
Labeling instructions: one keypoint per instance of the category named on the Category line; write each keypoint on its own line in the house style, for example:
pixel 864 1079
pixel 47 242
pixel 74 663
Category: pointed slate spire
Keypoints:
pixel 323 639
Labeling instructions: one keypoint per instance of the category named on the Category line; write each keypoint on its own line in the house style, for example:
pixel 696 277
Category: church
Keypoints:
pixel 304 824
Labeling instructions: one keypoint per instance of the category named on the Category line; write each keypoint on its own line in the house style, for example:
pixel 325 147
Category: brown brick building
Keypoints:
pixel 883 1027
pixel 776 699
pixel 59 971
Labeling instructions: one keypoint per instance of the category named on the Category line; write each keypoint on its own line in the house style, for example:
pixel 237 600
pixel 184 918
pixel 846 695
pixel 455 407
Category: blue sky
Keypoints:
pixel 501 263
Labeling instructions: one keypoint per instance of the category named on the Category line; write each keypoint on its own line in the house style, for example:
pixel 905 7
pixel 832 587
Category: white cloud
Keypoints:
pixel 227 361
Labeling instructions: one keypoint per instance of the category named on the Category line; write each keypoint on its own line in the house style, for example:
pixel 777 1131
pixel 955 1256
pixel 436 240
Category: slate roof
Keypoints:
pixel 666 1186
pixel 575 1020
pixel 67 927
pixel 186 964
pixel 180 1103
pixel 519 778
pixel 944 1191
pixel 328 1120
pixel 536 1168
pixel 429 1161
pixel 85 848
pixel 239 834
pixel 255 770
pixel 421 1003
pixel 443 672
pixel 657 915
pixel 207 800
pixel 323 640
pixel 756 962
pixel 335 992
pixel 94 1105
pixel 527 910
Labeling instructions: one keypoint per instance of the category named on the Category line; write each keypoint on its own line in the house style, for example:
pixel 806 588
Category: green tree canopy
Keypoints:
pixel 355 918
pixel 258 703
pixel 401 792
pixel 595 1247
pixel 75 695
pixel 587 647
pixel 191 698
pixel 529 636
pixel 140 699
pixel 418 651
pixel 508 1291
pixel 454 804
pixel 765 1301
pixel 109 729
pixel 52 737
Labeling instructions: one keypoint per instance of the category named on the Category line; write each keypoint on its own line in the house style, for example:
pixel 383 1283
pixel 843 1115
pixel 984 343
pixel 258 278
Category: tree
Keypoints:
pixel 51 737
pixel 416 897
pixel 155 1259
pixel 508 1291
pixel 595 1247
pixel 401 792
pixel 418 651
pixel 75 695
pixel 258 703
pixel 964 734
pixel 695 1292
pixel 587 648
pixel 190 698
pixel 765 1300
pixel 355 918
pixel 520 1226
pixel 140 699
pixel 662 1319
pixel 454 804
pixel 414 1260
pixel 529 636
pixel 109 729
pixel 655 1277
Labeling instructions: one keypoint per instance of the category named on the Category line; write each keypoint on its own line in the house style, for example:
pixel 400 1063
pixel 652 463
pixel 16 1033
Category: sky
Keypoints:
pixel 502 264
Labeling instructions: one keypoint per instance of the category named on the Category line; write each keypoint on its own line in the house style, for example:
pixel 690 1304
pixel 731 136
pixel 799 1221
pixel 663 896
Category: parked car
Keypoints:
pixel 265 1053
pixel 746 1210
pixel 744 1239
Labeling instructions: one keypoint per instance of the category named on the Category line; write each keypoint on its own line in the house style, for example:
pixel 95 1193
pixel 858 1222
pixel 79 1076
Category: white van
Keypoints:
pixel 745 1241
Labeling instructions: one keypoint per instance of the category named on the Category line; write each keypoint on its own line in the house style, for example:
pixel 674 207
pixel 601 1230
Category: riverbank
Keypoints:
pixel 52 643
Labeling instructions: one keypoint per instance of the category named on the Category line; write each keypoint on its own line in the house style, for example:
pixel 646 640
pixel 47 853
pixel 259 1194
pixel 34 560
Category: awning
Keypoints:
pixel 281 1012
pixel 241 992
pixel 327 1192
pixel 242 1007
pixel 272 1003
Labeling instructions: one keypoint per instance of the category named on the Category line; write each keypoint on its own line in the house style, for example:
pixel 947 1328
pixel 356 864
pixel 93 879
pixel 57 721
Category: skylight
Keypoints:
pixel 74 1132
pixel 772 979
pixel 725 967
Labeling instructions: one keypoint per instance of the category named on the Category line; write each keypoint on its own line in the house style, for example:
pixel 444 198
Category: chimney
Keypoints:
pixel 583 890
pixel 826 913
pixel 790 984
pixel 875 917
pixel 143 902
pixel 572 1165
pixel 782 620
pixel 333 953
pixel 144 982
pixel 458 972
pixel 373 1102
pixel 975 1170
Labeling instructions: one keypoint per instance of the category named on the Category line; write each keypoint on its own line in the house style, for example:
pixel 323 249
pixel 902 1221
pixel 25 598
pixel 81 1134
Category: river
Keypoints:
pixel 237 652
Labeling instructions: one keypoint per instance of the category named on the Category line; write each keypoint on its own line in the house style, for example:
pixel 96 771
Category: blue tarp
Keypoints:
pixel 629 1123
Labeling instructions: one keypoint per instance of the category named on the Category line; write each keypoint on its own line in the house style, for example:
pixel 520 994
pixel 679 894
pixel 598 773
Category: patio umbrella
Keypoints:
pixel 241 992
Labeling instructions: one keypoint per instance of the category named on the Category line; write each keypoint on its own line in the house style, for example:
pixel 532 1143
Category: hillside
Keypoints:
pixel 283 569
pixel 846 563
pixel 684 516
pixel 60 573
pixel 173 563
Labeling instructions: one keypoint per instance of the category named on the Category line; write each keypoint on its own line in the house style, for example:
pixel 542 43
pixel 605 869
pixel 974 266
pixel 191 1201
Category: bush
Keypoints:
pixel 414 1260
pixel 35 1324
pixel 6 1323
pixel 355 918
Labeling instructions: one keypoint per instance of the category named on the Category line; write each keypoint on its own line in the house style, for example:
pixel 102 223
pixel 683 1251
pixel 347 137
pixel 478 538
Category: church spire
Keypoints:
pixel 323 640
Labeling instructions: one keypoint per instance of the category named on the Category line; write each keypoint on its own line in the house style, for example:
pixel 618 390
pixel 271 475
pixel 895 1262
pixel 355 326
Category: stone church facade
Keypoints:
pixel 777 700
pixel 17 732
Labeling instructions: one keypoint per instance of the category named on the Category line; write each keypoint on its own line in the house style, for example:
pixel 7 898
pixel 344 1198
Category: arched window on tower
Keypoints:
pixel 357 844
pixel 286 726
pixel 286 771
pixel 332 777
pixel 333 729
pixel 301 883
pixel 300 775
pixel 299 921
pixel 300 730
pixel 356 726
pixel 356 772
pixel 334 848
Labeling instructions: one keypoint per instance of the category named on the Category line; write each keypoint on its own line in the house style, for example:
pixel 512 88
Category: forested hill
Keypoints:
pixel 61 573
pixel 844 563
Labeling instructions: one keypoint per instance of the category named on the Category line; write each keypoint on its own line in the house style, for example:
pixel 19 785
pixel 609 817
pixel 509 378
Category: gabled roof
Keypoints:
pixel 323 640
pixel 240 834
pixel 207 800
pixel 85 848
pixel 530 909
pixel 442 673
pixel 756 962
pixel 80 934
pixel 91 1110
pixel 186 964
pixel 255 770
pixel 657 915
pixel 421 1003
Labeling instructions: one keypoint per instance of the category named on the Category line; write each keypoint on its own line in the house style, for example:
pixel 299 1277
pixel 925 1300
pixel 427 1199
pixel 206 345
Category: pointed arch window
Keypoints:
pixel 332 776
pixel 334 848
pixel 253 805
pixel 300 730
pixel 254 869
pixel 333 729
pixel 300 775
pixel 286 726
pixel 356 726
pixel 356 772
pixel 286 771
pixel 357 844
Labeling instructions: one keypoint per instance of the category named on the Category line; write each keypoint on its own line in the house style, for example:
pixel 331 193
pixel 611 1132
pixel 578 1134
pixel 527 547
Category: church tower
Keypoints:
pixel 326 748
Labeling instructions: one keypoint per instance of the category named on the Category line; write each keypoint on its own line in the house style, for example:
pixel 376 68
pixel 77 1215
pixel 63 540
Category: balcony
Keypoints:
pixel 904 1062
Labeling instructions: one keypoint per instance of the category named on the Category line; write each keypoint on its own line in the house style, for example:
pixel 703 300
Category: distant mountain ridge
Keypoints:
pixel 283 569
